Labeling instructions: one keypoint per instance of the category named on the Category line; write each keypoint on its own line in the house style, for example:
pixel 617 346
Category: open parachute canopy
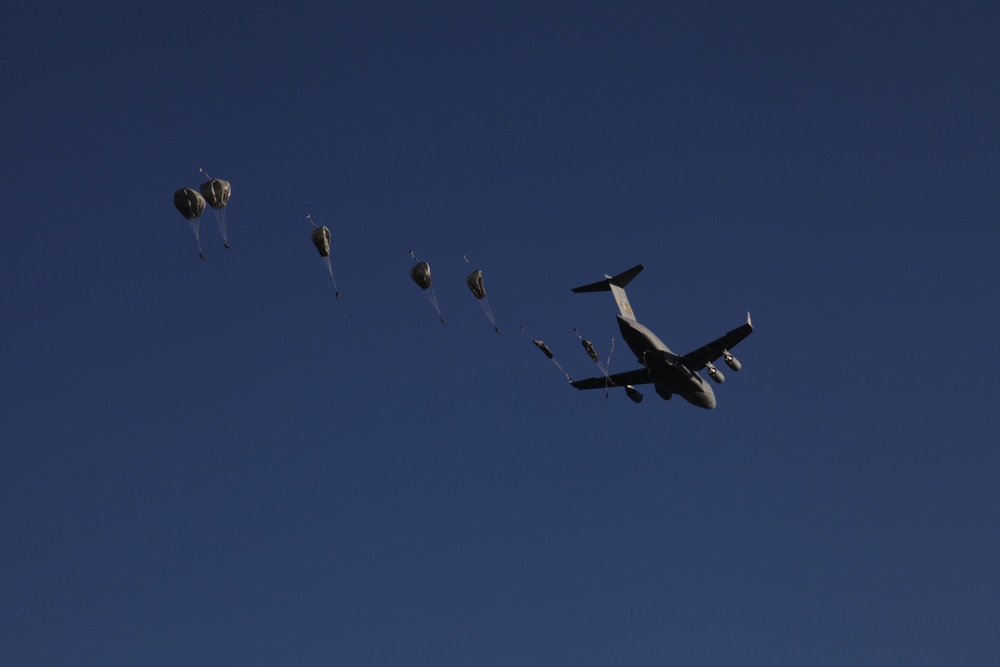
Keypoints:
pixel 475 283
pixel 189 203
pixel 321 239
pixel 216 192
pixel 421 274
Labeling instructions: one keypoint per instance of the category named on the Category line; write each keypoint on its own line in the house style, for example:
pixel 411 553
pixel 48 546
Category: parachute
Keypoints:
pixel 191 204
pixel 421 275
pixel 592 353
pixel 547 351
pixel 216 192
pixel 544 348
pixel 321 239
pixel 475 282
pixel 478 288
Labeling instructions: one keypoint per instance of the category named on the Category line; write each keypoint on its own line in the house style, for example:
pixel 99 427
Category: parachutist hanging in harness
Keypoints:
pixel 191 204
pixel 216 192
pixel 421 275
pixel 321 239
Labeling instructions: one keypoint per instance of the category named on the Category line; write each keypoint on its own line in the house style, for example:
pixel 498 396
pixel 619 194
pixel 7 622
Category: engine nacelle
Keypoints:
pixel 731 361
pixel 715 374
pixel 633 393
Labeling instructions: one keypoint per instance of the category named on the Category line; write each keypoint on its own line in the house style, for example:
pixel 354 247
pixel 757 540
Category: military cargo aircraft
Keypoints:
pixel 668 372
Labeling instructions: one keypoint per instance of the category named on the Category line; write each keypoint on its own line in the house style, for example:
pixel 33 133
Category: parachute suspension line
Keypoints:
pixel 310 219
pixel 329 268
pixel 204 173
pixel 432 297
pixel 548 353
pixel 196 228
pixel 484 302
pixel 220 219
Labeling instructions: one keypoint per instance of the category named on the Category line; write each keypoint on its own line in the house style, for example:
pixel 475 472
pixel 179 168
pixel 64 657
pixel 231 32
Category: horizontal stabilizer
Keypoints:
pixel 638 376
pixel 621 280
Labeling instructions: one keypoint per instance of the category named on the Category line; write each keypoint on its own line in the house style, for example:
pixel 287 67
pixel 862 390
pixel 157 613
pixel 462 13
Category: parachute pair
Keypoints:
pixel 421 275
pixel 191 203
pixel 587 346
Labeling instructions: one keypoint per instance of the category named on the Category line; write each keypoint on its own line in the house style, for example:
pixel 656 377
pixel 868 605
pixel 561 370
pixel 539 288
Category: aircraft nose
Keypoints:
pixel 708 401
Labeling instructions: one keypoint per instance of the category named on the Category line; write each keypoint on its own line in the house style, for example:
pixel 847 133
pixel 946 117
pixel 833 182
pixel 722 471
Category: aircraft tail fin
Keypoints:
pixel 615 285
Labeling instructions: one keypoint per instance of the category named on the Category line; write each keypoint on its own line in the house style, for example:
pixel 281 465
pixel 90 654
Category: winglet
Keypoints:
pixel 749 323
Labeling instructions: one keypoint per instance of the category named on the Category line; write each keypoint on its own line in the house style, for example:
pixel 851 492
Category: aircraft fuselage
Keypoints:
pixel 669 376
pixel 669 373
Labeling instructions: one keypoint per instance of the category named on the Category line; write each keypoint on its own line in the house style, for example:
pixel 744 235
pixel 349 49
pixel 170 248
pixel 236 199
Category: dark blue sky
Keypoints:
pixel 219 463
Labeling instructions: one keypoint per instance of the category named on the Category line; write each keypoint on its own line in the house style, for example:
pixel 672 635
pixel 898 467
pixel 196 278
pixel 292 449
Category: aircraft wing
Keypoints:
pixel 707 353
pixel 638 376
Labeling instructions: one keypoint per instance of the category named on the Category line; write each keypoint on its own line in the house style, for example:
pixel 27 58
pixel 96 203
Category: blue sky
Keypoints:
pixel 219 463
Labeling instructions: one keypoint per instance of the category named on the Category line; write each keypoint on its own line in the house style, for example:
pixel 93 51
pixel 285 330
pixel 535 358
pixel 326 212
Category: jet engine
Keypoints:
pixel 715 374
pixel 731 361
pixel 633 393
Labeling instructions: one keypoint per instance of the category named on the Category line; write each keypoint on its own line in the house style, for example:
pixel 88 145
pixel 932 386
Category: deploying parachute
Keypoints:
pixel 547 351
pixel 216 192
pixel 421 275
pixel 475 282
pixel 191 204
pixel 544 348
pixel 592 353
pixel 321 239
